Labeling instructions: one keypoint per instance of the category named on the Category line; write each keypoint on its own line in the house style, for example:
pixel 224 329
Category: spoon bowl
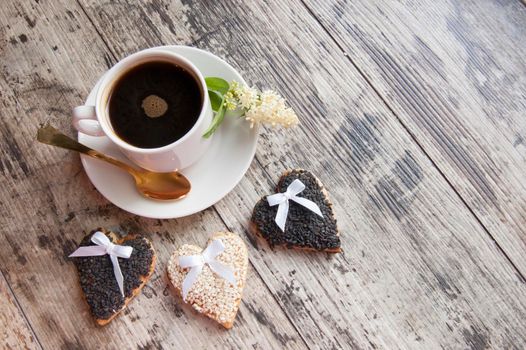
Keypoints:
pixel 161 186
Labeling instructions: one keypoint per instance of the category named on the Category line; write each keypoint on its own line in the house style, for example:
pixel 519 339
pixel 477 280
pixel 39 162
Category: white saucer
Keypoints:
pixel 230 153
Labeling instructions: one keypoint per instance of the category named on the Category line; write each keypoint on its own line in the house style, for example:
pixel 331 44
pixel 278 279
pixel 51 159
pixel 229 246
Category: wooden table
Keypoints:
pixel 412 114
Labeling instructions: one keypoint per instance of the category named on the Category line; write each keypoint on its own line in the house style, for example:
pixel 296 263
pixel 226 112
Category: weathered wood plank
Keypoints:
pixel 51 56
pixel 418 270
pixel 453 72
pixel 15 332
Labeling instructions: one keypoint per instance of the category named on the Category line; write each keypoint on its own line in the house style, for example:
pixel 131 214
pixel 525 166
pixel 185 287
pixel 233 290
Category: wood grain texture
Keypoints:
pixel 419 270
pixel 15 332
pixel 453 73
pixel 48 205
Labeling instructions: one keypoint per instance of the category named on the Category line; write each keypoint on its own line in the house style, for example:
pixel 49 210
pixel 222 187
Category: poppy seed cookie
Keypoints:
pixel 97 278
pixel 304 229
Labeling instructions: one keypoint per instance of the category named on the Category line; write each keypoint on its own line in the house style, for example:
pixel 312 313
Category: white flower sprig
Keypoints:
pixel 265 107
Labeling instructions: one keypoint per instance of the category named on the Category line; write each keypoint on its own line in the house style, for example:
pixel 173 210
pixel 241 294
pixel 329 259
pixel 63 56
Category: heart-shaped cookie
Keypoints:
pixel 97 277
pixel 210 293
pixel 304 229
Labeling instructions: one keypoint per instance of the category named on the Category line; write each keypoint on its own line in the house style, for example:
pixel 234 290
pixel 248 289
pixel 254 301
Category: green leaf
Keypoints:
pixel 218 119
pixel 217 84
pixel 215 99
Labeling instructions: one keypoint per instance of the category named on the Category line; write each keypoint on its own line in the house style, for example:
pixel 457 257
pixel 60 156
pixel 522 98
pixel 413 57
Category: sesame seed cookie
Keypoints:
pixel 211 294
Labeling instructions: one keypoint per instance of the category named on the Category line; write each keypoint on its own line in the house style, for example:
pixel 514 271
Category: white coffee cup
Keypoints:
pixel 95 120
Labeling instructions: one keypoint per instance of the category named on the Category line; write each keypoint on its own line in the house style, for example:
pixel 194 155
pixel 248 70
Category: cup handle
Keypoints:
pixel 85 121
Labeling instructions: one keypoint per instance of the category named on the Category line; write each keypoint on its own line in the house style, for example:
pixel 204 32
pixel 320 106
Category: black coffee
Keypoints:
pixel 154 104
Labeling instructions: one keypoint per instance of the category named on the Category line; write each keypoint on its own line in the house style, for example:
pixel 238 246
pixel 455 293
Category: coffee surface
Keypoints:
pixel 154 104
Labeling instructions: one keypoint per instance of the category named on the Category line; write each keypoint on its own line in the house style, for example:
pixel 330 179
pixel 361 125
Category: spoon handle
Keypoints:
pixel 51 136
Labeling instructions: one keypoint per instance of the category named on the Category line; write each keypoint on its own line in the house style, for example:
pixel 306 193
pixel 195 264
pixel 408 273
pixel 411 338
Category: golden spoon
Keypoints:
pixel 165 186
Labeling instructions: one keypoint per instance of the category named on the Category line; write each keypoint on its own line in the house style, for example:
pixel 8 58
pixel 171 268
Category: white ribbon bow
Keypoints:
pixel 282 199
pixel 197 262
pixel 104 246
